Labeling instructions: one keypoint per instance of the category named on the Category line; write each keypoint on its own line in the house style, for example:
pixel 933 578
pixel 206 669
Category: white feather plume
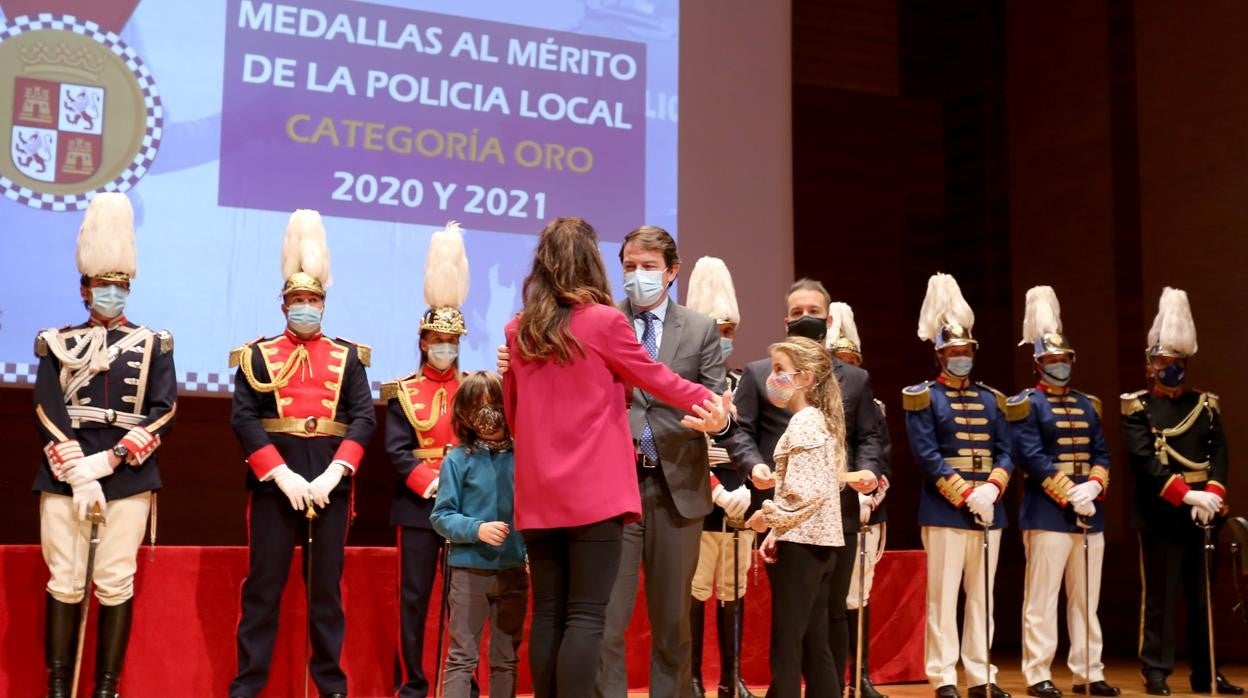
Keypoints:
pixel 841 324
pixel 106 237
pixel 304 247
pixel 943 305
pixel 711 291
pixel 1174 328
pixel 1042 314
pixel 446 269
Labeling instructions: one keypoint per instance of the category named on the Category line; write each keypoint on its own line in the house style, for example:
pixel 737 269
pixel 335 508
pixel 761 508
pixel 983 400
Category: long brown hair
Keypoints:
pixel 567 271
pixel 477 388
pixel 824 394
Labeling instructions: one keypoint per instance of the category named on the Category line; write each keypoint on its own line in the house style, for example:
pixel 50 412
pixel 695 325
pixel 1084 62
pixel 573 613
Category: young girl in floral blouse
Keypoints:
pixel 804 516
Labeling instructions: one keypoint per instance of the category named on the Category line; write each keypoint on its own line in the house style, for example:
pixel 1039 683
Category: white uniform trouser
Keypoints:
pixel 715 565
pixel 64 538
pixel 1052 556
pixel 874 538
pixel 955 557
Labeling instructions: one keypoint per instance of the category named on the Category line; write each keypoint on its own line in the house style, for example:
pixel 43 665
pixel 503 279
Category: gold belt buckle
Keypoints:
pixel 309 425
pixel 110 415
pixel 976 462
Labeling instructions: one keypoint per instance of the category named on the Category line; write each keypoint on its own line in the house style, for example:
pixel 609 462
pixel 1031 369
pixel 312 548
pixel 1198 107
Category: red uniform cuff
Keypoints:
pixel 61 453
pixel 351 453
pixel 714 482
pixel 1001 479
pixel 955 488
pixel 1174 490
pixel 1100 474
pixel 421 476
pixel 1215 487
pixel 264 459
pixel 140 443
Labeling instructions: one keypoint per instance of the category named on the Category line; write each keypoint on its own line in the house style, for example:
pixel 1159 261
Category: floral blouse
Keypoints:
pixel 806 507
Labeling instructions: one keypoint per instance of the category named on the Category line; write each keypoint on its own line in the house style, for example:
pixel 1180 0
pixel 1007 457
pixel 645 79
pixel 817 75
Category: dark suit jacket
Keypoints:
pixel 760 425
pixel 690 347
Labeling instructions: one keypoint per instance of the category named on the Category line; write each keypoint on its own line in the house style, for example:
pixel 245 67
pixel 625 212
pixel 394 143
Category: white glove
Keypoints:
pixel 1086 509
pixel 1085 492
pixel 866 504
pixel 323 484
pixel 733 503
pixel 1205 501
pixel 982 502
pixel 87 494
pixel 88 469
pixel 292 485
pixel 1202 517
pixel 432 490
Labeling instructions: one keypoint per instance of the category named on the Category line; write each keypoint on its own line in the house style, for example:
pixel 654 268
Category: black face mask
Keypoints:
pixel 810 327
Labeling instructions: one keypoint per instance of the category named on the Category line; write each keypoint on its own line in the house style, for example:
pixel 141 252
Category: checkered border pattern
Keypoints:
pixel 189 382
pixel 151 100
pixel 18 373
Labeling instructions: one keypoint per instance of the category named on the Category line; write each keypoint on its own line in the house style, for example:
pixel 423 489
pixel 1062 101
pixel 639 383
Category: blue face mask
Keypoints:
pixel 959 366
pixel 108 301
pixel 725 345
pixel 644 287
pixel 304 318
pixel 1057 374
pixel 1172 375
pixel 442 355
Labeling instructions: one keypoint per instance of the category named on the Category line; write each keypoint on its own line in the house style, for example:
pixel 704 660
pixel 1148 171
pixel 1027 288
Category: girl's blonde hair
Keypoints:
pixel 824 394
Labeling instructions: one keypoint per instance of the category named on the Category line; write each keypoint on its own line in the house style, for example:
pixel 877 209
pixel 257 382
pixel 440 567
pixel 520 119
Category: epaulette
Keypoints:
pixel 166 341
pixel 1096 402
pixel 1018 406
pixel 237 353
pixel 41 345
pixel 916 397
pixel 1001 398
pixel 364 351
pixel 390 390
pixel 1133 402
pixel 1212 400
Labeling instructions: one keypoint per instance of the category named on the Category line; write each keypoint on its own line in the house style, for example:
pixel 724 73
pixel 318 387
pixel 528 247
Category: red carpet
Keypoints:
pixel 187 608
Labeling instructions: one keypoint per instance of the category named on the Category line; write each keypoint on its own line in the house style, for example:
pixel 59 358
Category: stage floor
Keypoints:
pixel 1122 672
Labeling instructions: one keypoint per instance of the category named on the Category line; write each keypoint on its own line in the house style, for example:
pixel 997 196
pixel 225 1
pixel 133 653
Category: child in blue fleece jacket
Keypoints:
pixel 487 564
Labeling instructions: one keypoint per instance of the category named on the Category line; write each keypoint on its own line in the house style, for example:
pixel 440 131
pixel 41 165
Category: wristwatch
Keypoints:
pixel 121 452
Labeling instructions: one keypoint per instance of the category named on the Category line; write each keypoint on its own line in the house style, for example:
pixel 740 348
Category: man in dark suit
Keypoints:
pixel 760 425
pixel 672 468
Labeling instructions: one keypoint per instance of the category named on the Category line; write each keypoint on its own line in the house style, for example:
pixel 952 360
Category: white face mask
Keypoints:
pixel 442 355
pixel 643 287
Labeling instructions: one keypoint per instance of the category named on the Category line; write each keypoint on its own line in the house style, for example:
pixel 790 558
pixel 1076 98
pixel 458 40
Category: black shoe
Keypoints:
pixel 1044 689
pixel 1226 687
pixel 1155 685
pixel 333 695
pixel 110 651
pixel 60 639
pixel 868 689
pixel 948 691
pixel 982 691
pixel 742 691
pixel 1099 688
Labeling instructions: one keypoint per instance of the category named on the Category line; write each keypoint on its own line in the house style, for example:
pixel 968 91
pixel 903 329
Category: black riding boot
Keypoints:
pixel 110 652
pixel 59 646
pixel 730 617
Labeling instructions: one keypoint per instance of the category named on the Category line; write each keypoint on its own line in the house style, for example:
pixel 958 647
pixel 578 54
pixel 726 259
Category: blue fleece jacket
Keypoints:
pixel 475 488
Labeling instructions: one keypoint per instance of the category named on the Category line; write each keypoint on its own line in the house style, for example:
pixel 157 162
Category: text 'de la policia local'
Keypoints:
pixel 370 111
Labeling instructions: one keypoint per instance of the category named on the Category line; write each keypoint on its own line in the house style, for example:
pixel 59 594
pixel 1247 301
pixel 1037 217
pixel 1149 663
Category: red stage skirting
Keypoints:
pixel 187 609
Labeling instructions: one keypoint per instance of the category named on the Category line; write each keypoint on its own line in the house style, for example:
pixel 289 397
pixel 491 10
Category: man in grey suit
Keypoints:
pixel 672 471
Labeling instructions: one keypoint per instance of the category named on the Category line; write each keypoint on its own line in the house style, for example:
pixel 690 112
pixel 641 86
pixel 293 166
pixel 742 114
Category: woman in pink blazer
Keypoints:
pixel 574 358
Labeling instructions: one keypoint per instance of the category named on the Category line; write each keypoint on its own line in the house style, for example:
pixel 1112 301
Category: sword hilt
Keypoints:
pixel 96 514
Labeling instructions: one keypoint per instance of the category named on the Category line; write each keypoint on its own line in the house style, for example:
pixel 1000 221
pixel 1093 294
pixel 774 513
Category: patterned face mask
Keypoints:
pixel 486 419
pixel 780 388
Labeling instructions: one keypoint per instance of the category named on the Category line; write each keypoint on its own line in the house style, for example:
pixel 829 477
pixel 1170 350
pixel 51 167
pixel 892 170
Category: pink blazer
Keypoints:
pixel 575 460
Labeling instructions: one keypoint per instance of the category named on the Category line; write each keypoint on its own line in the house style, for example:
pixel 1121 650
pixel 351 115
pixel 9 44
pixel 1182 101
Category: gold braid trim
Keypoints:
pixel 297 357
pixel 435 408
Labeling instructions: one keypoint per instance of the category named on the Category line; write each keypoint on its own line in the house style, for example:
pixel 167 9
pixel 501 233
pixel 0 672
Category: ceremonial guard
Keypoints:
pixel 1174 441
pixel 105 395
pixel 303 414
pixel 1060 446
pixel 418 434
pixel 843 342
pixel 960 442
pixel 711 292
